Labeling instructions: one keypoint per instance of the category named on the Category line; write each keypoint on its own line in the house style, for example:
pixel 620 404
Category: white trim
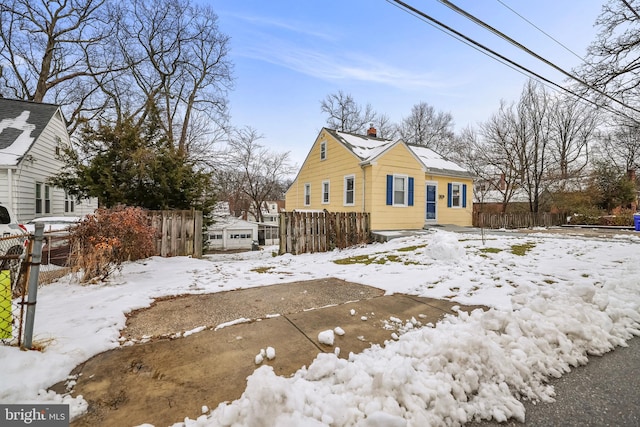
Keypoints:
pixel 326 193
pixel 323 150
pixel 307 194
pixel 427 184
pixel 405 202
pixel 353 190
pixel 459 205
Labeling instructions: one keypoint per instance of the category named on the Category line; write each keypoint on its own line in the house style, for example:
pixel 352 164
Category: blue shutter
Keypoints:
pixel 389 189
pixel 464 195
pixel 410 191
pixel 449 194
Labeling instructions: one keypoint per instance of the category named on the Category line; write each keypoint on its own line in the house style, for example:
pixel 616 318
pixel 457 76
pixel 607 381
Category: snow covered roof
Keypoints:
pixel 497 196
pixel 367 148
pixel 21 123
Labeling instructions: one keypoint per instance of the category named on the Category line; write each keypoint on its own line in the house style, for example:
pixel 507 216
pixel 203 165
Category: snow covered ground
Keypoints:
pixel 555 301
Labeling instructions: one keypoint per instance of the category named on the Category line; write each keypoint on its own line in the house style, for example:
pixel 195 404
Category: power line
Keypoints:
pixel 543 32
pixel 520 46
pixel 631 8
pixel 491 53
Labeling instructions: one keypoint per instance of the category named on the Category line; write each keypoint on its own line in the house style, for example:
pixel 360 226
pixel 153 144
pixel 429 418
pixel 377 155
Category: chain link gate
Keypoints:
pixel 19 269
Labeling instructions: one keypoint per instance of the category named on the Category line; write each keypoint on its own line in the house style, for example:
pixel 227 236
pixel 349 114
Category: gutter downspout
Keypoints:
pixel 10 185
pixel 364 189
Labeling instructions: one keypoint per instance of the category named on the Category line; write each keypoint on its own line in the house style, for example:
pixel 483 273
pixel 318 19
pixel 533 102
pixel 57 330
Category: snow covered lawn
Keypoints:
pixel 555 301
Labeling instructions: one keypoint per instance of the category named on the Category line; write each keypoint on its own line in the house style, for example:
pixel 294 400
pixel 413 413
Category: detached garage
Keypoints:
pixel 232 233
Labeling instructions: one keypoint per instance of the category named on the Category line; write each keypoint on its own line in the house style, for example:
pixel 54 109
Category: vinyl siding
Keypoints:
pixel 39 165
pixel 371 187
pixel 339 163
pixel 397 161
pixel 454 216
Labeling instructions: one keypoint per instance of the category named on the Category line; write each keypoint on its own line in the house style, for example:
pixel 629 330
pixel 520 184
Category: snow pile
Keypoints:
pixel 326 337
pixel 552 307
pixel 471 366
pixel 269 353
pixel 445 247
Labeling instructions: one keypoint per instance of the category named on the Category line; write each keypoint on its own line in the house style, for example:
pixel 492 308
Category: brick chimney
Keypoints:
pixel 372 132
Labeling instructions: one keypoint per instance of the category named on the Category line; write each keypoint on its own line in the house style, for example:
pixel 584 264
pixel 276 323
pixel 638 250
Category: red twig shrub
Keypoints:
pixel 106 239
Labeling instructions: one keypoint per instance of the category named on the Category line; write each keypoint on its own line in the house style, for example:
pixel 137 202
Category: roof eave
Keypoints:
pixel 449 172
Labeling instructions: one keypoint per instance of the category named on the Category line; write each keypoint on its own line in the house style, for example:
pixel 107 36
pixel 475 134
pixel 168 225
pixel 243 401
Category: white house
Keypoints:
pixel 228 233
pixel 32 136
pixel 268 229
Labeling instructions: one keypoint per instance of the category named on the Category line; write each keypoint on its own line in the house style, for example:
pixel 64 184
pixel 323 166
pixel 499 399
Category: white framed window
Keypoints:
pixel 456 195
pixel 349 190
pixel 325 192
pixel 323 150
pixel 400 190
pixel 47 199
pixel 43 197
pixel 307 194
pixel 39 197
pixel 68 203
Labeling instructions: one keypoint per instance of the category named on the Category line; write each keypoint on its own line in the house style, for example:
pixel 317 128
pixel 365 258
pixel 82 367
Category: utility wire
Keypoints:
pixel 543 32
pixel 532 53
pixel 631 8
pixel 491 53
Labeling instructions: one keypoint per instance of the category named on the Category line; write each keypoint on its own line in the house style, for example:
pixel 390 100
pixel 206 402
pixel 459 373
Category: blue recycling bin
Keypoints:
pixel 636 221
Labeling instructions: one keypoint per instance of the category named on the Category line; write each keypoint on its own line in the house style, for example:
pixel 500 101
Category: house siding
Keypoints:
pixel 371 186
pixel 397 161
pixel 339 163
pixel 38 165
pixel 454 216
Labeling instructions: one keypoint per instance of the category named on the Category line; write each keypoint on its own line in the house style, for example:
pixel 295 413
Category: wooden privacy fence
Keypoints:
pixel 302 232
pixel 517 219
pixel 178 233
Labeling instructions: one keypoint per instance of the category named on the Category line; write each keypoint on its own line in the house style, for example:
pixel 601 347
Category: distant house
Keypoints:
pixel 402 186
pixel 269 227
pixel 32 136
pixel 228 232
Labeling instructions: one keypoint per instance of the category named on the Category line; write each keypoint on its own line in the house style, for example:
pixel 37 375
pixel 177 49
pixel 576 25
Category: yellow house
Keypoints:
pixel 402 186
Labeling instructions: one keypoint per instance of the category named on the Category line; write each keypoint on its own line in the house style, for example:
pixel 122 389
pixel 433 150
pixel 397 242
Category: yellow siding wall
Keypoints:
pixel 371 187
pixel 455 216
pixel 398 160
pixel 339 163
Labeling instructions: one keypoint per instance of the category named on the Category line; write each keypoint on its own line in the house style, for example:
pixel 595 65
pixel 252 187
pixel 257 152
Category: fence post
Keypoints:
pixel 32 296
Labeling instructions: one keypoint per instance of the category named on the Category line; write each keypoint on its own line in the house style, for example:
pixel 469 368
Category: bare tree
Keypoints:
pixel 385 128
pixel 428 127
pixel 107 59
pixel 614 57
pixel 573 125
pixel 345 114
pixel 533 135
pixel 177 60
pixel 52 50
pixel 621 146
pixel 497 158
pixel 260 172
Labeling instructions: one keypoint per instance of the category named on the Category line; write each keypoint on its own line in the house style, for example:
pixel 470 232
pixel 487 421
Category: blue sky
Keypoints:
pixel 289 55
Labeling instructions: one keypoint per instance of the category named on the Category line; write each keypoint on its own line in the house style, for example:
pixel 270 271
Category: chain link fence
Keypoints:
pixel 13 289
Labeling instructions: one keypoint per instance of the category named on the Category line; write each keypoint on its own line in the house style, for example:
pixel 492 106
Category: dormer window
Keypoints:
pixel 323 150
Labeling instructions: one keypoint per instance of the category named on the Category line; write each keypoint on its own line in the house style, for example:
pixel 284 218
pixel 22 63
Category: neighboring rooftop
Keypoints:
pixel 21 123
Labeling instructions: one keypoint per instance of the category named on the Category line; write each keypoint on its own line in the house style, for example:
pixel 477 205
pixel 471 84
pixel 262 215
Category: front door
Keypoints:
pixel 432 197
